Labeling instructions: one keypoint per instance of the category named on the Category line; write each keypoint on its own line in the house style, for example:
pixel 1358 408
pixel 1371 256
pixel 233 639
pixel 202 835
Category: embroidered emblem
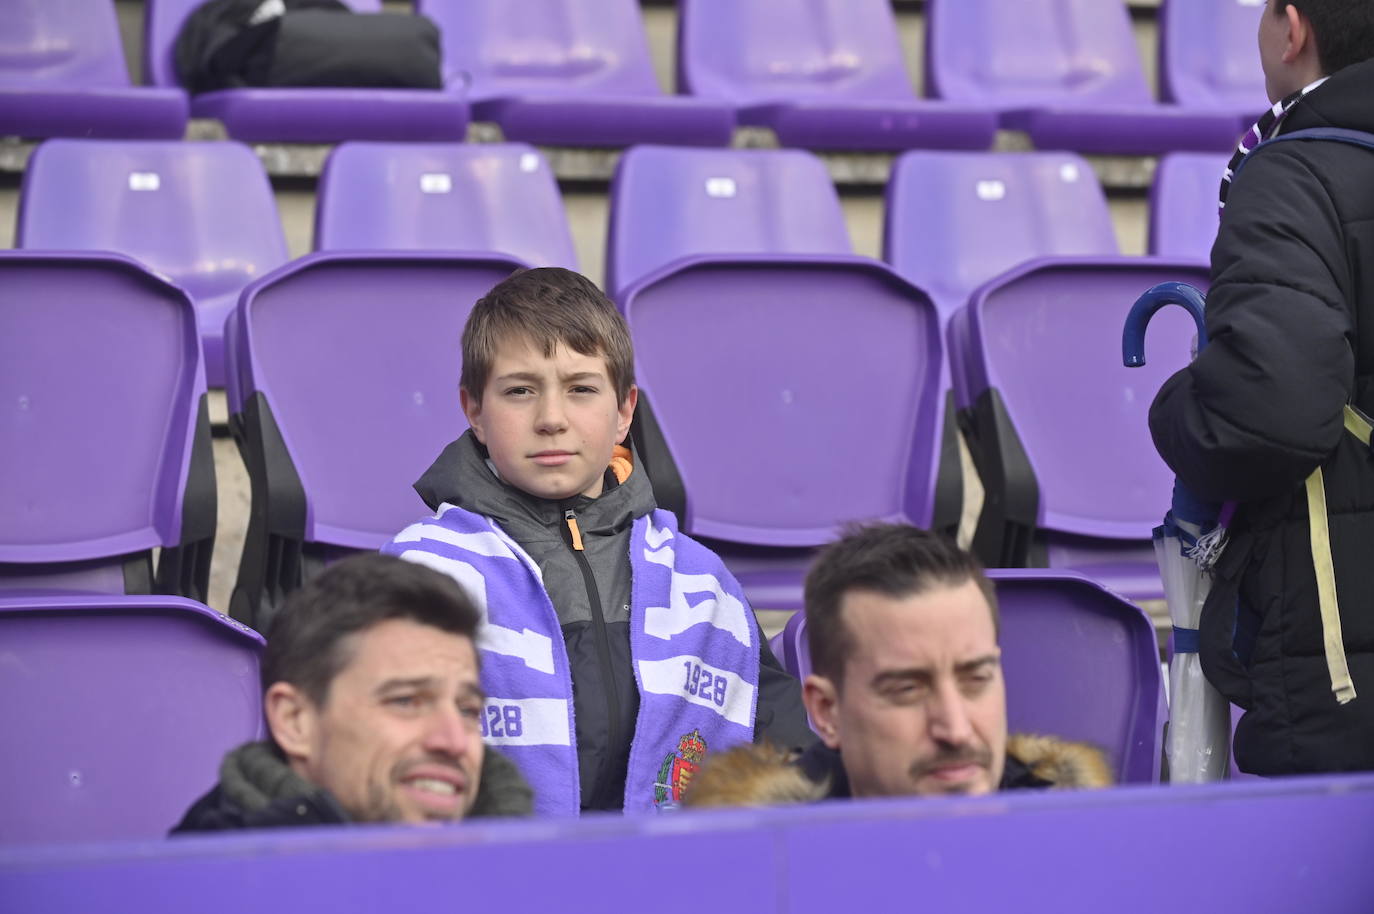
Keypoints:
pixel 675 775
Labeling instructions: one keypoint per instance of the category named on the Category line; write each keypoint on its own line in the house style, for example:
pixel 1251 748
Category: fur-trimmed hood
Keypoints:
pixel 762 775
pixel 258 789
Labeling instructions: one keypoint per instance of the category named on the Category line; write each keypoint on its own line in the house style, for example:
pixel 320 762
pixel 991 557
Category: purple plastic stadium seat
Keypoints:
pixel 62 73
pixel 117 712
pixel 1079 663
pixel 823 74
pixel 1183 205
pixel 1059 426
pixel 1067 72
pixel 333 433
pixel 200 214
pixel 106 434
pixel 568 73
pixel 304 115
pixel 1207 57
pixel 430 196
pixel 670 203
pixel 794 394
pixel 954 220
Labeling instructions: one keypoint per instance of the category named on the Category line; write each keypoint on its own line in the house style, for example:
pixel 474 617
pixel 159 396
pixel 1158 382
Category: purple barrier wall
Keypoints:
pixel 1300 844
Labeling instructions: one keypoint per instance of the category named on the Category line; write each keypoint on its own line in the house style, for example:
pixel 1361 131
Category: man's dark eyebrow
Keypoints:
pixel 971 666
pixel 919 673
pixel 416 682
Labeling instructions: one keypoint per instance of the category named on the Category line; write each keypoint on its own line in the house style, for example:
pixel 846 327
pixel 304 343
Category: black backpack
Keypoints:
pixel 228 44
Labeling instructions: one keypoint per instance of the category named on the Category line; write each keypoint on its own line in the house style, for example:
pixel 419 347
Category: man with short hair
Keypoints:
pixel 1260 417
pixel 373 704
pixel 906 687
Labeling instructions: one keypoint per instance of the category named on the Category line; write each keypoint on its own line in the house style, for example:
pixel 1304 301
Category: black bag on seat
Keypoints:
pixel 228 44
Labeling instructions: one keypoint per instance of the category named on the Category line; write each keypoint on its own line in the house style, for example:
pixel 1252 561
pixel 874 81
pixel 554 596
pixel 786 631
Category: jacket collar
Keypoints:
pixel 462 475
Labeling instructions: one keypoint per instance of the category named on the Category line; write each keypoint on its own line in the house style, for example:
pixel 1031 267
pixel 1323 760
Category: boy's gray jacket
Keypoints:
pixel 591 593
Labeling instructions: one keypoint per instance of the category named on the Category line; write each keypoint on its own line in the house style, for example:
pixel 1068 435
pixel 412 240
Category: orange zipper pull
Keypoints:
pixel 571 518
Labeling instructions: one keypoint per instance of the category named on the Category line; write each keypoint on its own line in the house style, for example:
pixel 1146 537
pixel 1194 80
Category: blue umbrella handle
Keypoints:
pixel 1166 293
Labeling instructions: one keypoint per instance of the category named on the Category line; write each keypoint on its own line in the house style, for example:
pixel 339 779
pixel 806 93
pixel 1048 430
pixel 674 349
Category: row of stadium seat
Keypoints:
pixel 118 710
pixel 824 75
pixel 203 214
pixel 343 367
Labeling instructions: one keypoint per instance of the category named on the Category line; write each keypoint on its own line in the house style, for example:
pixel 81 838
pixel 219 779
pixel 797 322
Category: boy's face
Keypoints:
pixel 549 422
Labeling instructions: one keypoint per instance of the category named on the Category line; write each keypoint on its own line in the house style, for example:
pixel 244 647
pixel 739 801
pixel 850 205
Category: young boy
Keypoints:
pixel 543 517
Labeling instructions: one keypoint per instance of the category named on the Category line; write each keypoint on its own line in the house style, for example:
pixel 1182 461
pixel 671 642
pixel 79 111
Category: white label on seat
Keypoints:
pixel 1251 2
pixel 529 162
pixel 144 180
pixel 720 187
pixel 991 190
pixel 1068 172
pixel 435 183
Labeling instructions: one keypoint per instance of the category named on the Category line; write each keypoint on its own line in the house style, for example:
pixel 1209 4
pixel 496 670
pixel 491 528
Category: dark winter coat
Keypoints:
pixel 257 789
pixel 1291 341
pixel 764 776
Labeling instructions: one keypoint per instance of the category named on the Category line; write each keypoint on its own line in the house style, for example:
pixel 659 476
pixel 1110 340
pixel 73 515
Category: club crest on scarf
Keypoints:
pixel 675 775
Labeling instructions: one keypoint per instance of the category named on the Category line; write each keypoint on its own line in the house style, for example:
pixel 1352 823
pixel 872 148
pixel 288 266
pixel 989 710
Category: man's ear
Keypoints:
pixel 472 410
pixel 822 702
pixel 293 721
pixel 626 415
pixel 1299 33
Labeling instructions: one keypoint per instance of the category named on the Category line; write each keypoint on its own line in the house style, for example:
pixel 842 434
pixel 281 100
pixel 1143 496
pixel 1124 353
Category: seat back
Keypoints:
pixel 162 22
pixel 668 203
pixel 794 394
pixel 117 713
pixel 52 43
pixel 107 438
pixel 384 355
pixel 1079 663
pixel 201 214
pixel 753 51
pixel 1207 54
pixel 1046 338
pixel 954 220
pixel 1184 214
pixel 432 196
pixel 1033 52
pixel 546 47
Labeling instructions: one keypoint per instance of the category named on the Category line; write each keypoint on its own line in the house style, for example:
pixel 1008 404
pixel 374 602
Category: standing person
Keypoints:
pixel 617 651
pixel 1289 320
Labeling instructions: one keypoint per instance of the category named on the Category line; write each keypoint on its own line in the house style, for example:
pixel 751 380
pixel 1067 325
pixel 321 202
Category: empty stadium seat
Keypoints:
pixel 823 75
pixel 569 73
pixel 106 432
pixel 117 713
pixel 1079 663
pixel 954 220
pixel 1207 57
pixel 1184 213
pixel 1058 427
pixel 792 394
pixel 304 115
pixel 1066 72
pixel 62 73
pixel 670 203
pixel 200 214
pixel 431 196
pixel 347 370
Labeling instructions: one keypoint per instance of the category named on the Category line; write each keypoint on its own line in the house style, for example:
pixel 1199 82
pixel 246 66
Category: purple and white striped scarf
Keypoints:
pixel 692 643
pixel 1265 128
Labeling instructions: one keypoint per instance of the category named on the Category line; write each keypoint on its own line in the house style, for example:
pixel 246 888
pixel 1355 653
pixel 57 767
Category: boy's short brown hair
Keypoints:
pixel 547 306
